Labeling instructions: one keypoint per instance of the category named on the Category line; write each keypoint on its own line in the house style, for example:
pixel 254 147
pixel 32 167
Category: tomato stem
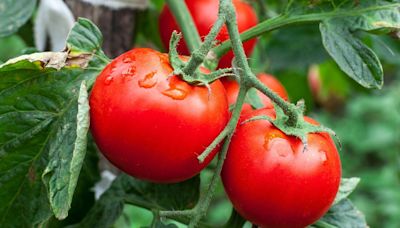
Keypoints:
pixel 247 78
pixel 186 23
pixel 205 199
pixel 200 54
pixel 291 114
pixel 283 20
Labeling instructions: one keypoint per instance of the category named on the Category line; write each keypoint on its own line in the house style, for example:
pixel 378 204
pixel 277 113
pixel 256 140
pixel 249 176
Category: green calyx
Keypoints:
pixel 300 128
pixel 190 72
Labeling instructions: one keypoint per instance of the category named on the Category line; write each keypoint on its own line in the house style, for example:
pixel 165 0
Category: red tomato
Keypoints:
pixel 149 125
pixel 205 13
pixel 272 182
pixel 232 90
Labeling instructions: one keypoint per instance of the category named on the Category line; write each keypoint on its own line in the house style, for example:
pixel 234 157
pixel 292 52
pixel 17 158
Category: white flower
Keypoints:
pixel 105 182
pixel 53 20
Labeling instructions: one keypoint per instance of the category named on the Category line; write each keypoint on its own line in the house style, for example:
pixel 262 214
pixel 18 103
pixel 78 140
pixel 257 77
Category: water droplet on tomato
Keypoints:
pixel 129 73
pixel 175 93
pixel 126 60
pixel 129 59
pixel 108 80
pixel 322 155
pixel 279 146
pixel 148 81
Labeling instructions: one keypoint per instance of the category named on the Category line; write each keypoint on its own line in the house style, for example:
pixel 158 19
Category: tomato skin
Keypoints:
pixel 271 182
pixel 151 126
pixel 204 14
pixel 232 91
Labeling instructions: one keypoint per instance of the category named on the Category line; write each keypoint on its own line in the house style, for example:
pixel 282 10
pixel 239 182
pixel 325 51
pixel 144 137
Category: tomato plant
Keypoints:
pixel 140 114
pixel 161 118
pixel 272 182
pixel 205 13
pixel 232 90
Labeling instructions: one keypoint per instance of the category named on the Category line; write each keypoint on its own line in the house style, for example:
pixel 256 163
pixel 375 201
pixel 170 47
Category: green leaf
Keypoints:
pixel 11 47
pixel 39 128
pixel 62 172
pixel 88 177
pixel 347 186
pixel 378 21
pixel 126 189
pixel 352 56
pixel 235 220
pixel 84 38
pixel 294 55
pixel 344 215
pixel 14 14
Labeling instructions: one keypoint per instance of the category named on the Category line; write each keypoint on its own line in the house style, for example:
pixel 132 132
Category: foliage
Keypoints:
pixel 48 162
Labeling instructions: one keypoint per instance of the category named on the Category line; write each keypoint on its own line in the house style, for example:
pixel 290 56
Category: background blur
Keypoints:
pixel 366 121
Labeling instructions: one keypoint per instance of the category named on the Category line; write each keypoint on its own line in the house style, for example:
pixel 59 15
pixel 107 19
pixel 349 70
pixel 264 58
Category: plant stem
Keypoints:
pixel 200 54
pixel 204 201
pixel 186 23
pixel 248 79
pixel 284 20
pixel 288 108
pixel 182 219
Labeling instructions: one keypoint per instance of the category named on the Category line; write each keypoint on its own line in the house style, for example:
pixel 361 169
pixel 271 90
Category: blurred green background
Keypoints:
pixel 366 121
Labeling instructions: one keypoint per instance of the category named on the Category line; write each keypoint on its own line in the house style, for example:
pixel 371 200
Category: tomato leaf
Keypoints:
pixel 379 21
pixel 353 57
pixel 39 128
pixel 62 172
pixel 14 14
pixel 344 215
pixel 347 186
pixel 88 176
pixel 126 189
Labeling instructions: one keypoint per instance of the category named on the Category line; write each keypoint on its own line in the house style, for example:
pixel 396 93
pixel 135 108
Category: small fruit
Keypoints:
pixel 150 125
pixel 205 13
pixel 272 182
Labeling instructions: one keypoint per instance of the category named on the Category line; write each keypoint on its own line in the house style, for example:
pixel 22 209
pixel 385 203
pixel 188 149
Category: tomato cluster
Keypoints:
pixel 153 125
pixel 246 18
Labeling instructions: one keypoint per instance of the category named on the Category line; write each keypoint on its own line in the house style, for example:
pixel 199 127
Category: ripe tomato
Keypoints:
pixel 149 125
pixel 205 13
pixel 232 90
pixel 272 182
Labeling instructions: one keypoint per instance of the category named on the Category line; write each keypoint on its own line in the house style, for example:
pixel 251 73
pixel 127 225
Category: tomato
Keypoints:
pixel 272 182
pixel 204 14
pixel 150 125
pixel 232 90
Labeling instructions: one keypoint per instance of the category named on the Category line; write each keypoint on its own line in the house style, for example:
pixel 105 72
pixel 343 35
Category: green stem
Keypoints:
pixel 186 23
pixel 284 20
pixel 288 108
pixel 180 218
pixel 200 54
pixel 215 143
pixel 204 201
pixel 248 79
